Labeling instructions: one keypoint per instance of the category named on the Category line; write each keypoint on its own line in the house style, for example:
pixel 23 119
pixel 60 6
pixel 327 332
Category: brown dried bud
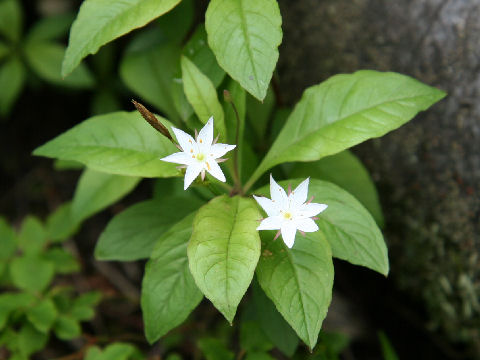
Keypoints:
pixel 152 120
pixel 227 96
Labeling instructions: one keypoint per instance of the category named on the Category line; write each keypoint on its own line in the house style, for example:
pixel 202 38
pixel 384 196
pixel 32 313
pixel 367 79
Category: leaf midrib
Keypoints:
pixel 340 120
pixel 227 254
pixel 243 22
pixel 289 256
pixel 100 31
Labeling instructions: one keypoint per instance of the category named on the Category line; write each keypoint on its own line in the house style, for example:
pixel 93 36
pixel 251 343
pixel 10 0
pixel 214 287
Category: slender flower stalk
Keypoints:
pixel 200 154
pixel 289 213
pixel 236 173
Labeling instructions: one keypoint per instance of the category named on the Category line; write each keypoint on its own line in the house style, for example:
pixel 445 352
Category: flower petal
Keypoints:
pixel 299 195
pixel 268 205
pixel 217 150
pixel 192 172
pixel 205 136
pixel 271 223
pixel 312 209
pixel 277 194
pixel 214 169
pixel 288 233
pixel 186 142
pixel 306 225
pixel 178 158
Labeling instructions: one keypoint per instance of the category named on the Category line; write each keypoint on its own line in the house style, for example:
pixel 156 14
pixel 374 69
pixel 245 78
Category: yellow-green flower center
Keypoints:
pixel 200 157
pixel 287 215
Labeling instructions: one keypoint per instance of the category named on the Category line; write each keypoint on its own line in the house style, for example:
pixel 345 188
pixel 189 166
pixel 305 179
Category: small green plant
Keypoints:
pixel 115 351
pixel 200 231
pixel 32 305
pixel 39 50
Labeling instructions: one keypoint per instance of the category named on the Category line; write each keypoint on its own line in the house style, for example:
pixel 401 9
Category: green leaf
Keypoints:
pixel 60 224
pixel 299 281
pixel 4 50
pixel 49 28
pixel 120 143
pixel 30 340
pixel 61 165
pixel 347 171
pixel 7 239
pixel 244 36
pixel 12 79
pixel 224 250
pixel 83 306
pixel 177 23
pixel 252 337
pixel 63 261
pixel 10 302
pixel 67 328
pixel 31 273
pixel 117 351
pixel 197 51
pixel 95 191
pixel 11 19
pixel 43 315
pixel 169 292
pixel 202 95
pixel 258 355
pixel 238 96
pixel 331 345
pixel 273 324
pixel 99 22
pixel 348 227
pixel 260 112
pixel 132 234
pixel 45 58
pixel 387 349
pixel 346 110
pixel 32 237
pixel 149 73
pixel 214 349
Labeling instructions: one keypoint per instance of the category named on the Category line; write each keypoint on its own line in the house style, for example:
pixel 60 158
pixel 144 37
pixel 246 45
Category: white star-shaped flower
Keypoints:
pixel 289 213
pixel 200 155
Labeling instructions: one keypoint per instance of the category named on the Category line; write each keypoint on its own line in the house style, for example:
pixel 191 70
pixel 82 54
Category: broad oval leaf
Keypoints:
pixel 344 111
pixel 45 58
pixel 299 281
pixel 149 73
pixel 31 273
pixel 12 80
pixel 278 331
pixel 95 191
pixel 101 21
pixel 52 27
pixel 202 95
pixel 169 292
pixel 60 224
pixel 9 240
pixel 244 36
pixel 132 234
pixel 120 143
pixel 11 19
pixel 42 315
pixel 224 250
pixel 347 171
pixel 348 227
pixel 32 238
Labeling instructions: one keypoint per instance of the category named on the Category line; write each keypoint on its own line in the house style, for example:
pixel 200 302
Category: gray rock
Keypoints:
pixel 428 171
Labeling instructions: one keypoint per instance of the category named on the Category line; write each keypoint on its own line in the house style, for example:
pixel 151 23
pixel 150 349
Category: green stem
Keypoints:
pixel 236 177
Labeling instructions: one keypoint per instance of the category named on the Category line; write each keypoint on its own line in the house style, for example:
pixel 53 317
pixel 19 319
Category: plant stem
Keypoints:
pixel 236 177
